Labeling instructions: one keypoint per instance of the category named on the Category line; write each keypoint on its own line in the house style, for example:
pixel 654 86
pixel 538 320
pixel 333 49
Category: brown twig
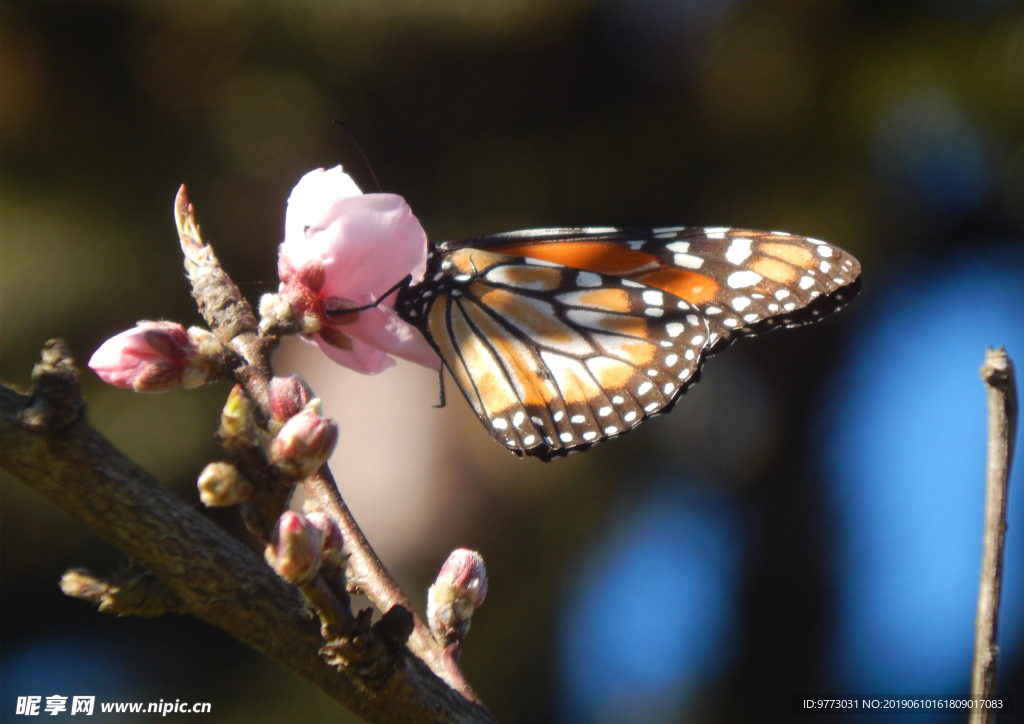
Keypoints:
pixel 231 319
pixel 998 374
pixel 206 571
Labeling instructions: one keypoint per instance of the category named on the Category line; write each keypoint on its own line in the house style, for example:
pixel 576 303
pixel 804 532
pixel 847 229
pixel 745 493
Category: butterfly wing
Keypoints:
pixel 560 338
pixel 744 281
pixel 554 359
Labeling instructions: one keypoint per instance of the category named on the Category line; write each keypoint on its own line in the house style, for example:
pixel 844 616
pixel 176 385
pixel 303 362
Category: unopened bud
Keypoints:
pixel 295 548
pixel 459 589
pixel 288 396
pixel 150 357
pixel 237 426
pixel 304 443
pixel 332 550
pixel 221 484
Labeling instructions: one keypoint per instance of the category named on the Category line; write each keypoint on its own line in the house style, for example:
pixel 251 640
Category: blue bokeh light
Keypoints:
pixel 652 615
pixel 906 458
pixel 925 145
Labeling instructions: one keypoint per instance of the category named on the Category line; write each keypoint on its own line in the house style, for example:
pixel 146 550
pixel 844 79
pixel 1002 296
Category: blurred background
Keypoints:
pixel 807 522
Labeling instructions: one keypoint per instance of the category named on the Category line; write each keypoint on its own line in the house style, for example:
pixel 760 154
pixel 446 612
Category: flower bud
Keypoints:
pixel 330 535
pixel 459 590
pixel 159 356
pixel 221 484
pixel 237 426
pixel 304 443
pixel 288 396
pixel 295 548
pixel 150 357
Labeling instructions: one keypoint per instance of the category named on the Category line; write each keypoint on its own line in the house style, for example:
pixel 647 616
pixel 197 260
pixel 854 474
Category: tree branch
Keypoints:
pixel 47 444
pixel 998 374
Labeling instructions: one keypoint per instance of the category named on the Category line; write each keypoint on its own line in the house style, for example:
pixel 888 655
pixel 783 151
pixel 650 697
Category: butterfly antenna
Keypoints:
pixel 361 153
pixel 349 310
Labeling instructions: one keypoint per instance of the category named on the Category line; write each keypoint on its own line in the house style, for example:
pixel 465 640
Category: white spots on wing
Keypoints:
pixel 665 343
pixel 547 440
pixel 653 297
pixel 557 417
pixel 541 262
pixel 499 423
pixel 654 311
pixel 671 360
pixel 446 264
pixel 529 440
pixel 611 430
pixel 789 306
pixel 600 230
pixel 577 419
pixel 824 266
pixel 635 245
pixel 682 305
pixel 589 435
pixel 618 399
pixel 629 416
pixel 462 277
pixel 665 235
pixel 743 279
pixel 644 388
pixel 565 436
pixel 814 241
pixel 815 294
pixel 604 411
pixel 684 374
pixel 715 232
pixel 517 419
pixel 738 250
pixel 780 233
pixel 439 276
pixel 750 318
pixel 588 279
pixel 536 421
pixel 689 355
pixel 652 373
pixel 781 294
pixel 680 247
pixel 773 307
pixel 730 322
pixel 712 311
pixel 806 282
pixel 697 341
pixel 669 388
pixel 839 280
pixel 740 303
pixel 675 329
pixel 651 407
pixel 663 229
pixel 824 250
pixel 631 283
pixel 688 261
pixel 692 319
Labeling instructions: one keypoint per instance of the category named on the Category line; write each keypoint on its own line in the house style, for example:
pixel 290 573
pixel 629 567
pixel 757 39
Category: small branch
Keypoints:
pixel 998 374
pixel 212 575
pixel 128 593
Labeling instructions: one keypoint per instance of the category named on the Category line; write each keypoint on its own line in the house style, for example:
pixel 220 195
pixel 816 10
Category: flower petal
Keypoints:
pixel 361 358
pixel 374 243
pixel 385 330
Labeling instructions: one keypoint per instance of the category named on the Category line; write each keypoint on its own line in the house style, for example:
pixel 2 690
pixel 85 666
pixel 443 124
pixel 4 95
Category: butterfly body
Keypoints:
pixel 562 338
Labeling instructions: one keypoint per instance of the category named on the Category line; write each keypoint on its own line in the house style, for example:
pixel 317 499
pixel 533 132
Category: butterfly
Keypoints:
pixel 562 338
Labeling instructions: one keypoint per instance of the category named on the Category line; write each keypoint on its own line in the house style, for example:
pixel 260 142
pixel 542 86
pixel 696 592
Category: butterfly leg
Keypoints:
pixel 440 381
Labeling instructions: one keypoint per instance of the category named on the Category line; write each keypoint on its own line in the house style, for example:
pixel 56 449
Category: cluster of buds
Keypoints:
pixel 301 544
pixel 459 590
pixel 221 484
pixel 158 357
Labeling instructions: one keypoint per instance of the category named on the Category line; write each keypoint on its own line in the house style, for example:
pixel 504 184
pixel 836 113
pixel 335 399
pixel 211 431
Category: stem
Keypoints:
pixel 998 374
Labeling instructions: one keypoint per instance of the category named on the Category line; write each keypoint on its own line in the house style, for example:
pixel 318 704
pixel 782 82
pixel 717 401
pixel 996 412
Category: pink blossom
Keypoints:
pixel 150 357
pixel 304 443
pixel 345 248
pixel 295 550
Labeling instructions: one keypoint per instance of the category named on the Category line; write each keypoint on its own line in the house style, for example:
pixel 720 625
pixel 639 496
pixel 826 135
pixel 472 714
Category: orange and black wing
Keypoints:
pixel 560 338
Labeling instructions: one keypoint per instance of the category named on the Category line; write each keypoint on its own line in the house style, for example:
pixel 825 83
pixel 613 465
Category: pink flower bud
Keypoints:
pixel 150 357
pixel 349 248
pixel 294 550
pixel 304 443
pixel 288 396
pixel 221 484
pixel 460 588
pixel 330 534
